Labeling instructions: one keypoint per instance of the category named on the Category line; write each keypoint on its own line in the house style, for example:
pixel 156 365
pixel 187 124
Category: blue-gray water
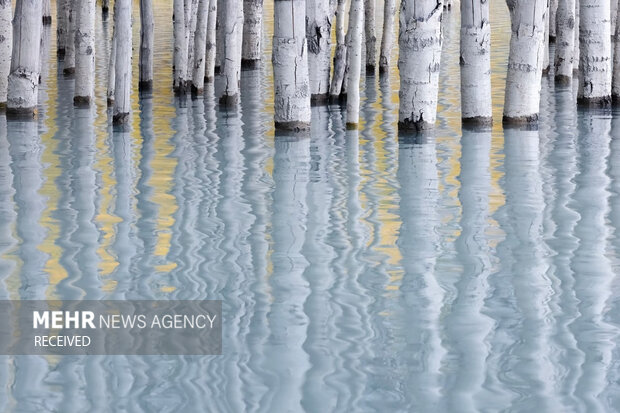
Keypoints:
pixel 464 272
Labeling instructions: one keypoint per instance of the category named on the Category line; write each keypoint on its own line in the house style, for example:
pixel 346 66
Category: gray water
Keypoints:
pixel 359 271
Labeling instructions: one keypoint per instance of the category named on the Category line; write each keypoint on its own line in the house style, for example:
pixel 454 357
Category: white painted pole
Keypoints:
pixel 180 49
pixel 387 40
pixel 85 54
pixel 23 81
pixel 251 48
pixel 523 80
pixel 565 42
pixel 145 80
pixel 233 33
pixel 6 45
pixel 475 58
pixel 420 44
pixel 290 66
pixel 370 31
pixel 595 53
pixel 318 36
pixel 211 42
pixel 356 30
pixel 200 48
pixel 340 59
pixel 122 88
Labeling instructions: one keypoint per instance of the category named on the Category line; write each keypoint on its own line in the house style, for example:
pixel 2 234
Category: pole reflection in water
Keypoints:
pixel 417 323
pixel 286 361
pixel 518 364
pixel 593 273
pixel 8 241
pixel 466 325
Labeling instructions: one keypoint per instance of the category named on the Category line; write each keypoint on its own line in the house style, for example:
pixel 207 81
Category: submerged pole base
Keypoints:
pixel 594 102
pixel 352 126
pixel 477 122
pixel 563 80
pixel 250 64
pixel 321 99
pixel 47 20
pixel 292 127
pixel 81 101
pixel 120 119
pixel 21 113
pixel 145 85
pixel 229 102
pixel 415 126
pixel 528 122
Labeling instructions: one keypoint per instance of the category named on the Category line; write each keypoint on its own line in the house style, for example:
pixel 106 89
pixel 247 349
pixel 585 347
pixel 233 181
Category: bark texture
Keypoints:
pixel 211 42
pixel 200 48
pixel 475 60
pixel 112 72
pixel 290 66
pixel 387 40
pixel 340 58
pixel 318 36
pixel 85 53
pixel 23 81
pixel 47 12
pixel 233 33
pixel 61 27
pixel 146 45
pixel 69 60
pixel 356 23
pixel 180 49
pixel 576 52
pixel 6 44
pixel 553 8
pixel 420 42
pixel 565 41
pixel 525 61
pixel 251 48
pixel 595 53
pixel 615 86
pixel 122 88
pixel 370 30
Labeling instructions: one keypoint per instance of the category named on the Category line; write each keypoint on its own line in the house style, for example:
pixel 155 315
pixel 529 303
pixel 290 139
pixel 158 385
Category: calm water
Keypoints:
pixel 462 272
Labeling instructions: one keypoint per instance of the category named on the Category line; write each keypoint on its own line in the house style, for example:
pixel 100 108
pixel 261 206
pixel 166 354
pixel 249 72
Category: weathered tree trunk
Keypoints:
pixel 420 42
pixel 290 66
pixel 61 27
pixel 122 82
pixel 565 42
pixel 251 49
pixel 200 48
pixel 576 51
pixel 615 86
pixel 318 36
pixel 370 27
pixel 356 30
pixel 211 42
pixel 47 13
pixel 23 81
pixel 180 49
pixel 595 53
pixel 219 36
pixel 387 40
pixel 553 8
pixel 233 33
pixel 145 82
pixel 6 43
pixel 191 6
pixel 546 62
pixel 112 72
pixel 340 59
pixel 475 58
pixel 614 16
pixel 69 61
pixel 523 80
pixel 85 53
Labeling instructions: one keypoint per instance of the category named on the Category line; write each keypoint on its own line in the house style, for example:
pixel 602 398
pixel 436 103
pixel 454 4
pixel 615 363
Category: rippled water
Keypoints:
pixel 359 271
